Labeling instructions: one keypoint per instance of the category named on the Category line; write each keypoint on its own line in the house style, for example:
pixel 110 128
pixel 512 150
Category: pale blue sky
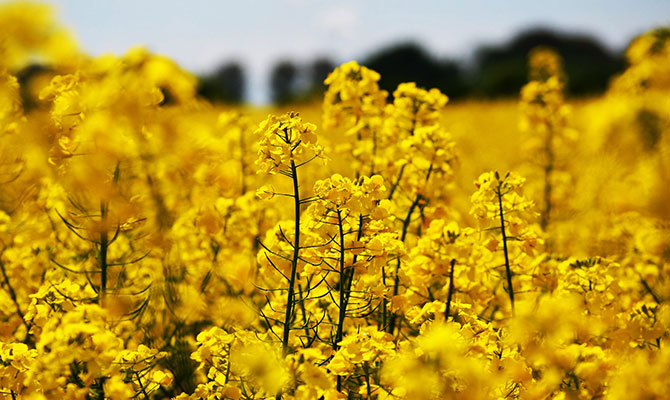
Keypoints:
pixel 200 34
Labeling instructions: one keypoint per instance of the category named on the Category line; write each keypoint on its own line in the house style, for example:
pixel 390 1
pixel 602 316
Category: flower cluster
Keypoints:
pixel 353 98
pixel 286 141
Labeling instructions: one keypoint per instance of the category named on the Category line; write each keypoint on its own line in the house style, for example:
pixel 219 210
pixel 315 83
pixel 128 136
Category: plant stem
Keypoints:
pixel 303 310
pixel 343 284
pixel 139 381
pixel 650 291
pixel 374 152
pixel 384 301
pixel 343 298
pixel 396 281
pixel 243 166
pixel 451 289
pixel 12 295
pixel 508 270
pixel 548 168
pixel 367 380
pixel 294 262
pixel 104 244
pixel 228 365
pixel 290 301
pixel 395 184
pixel 346 279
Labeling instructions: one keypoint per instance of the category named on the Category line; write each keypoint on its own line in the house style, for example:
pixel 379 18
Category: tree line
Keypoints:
pixel 495 71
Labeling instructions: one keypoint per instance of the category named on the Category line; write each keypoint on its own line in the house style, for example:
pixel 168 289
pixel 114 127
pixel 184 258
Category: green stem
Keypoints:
pixel 294 262
pixel 395 184
pixel 12 295
pixel 650 291
pixel 343 304
pixel 346 279
pixel 343 286
pixel 303 311
pixel 451 289
pixel 290 301
pixel 139 382
pixel 374 152
pixel 548 168
pixel 228 366
pixel 104 244
pixel 243 165
pixel 396 279
pixel 508 270
pixel 384 301
pixel 366 370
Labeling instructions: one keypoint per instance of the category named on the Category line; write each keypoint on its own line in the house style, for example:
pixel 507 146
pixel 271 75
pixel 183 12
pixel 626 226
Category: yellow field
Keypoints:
pixel 153 245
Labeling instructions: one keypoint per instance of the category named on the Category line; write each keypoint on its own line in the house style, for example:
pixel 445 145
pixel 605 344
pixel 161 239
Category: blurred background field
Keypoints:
pixel 620 157
pixel 619 162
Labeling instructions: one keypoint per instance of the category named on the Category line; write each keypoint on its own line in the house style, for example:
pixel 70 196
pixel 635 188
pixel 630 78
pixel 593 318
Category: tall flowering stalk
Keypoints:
pixel 351 216
pixel 354 102
pixel 545 116
pixel 499 206
pixel 421 166
pixel 286 144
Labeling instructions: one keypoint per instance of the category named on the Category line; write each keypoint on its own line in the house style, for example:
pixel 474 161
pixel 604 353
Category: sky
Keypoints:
pixel 202 34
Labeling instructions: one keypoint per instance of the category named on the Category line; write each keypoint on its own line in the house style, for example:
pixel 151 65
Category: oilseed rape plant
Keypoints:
pixel 156 246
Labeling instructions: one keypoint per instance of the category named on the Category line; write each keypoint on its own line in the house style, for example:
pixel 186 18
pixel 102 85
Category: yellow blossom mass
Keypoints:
pixel 156 246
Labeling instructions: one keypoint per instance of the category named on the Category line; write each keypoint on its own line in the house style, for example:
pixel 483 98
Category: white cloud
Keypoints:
pixel 341 20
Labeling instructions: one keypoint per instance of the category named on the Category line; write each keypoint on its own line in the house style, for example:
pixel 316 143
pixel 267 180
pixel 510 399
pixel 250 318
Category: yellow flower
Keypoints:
pixel 415 108
pixel 353 98
pixel 265 192
pixel 161 378
pixel 285 142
